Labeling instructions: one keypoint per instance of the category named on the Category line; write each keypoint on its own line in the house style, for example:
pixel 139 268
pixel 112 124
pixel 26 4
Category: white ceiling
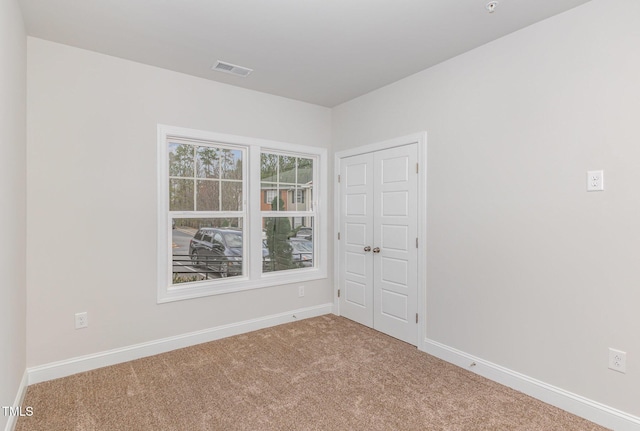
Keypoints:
pixel 320 51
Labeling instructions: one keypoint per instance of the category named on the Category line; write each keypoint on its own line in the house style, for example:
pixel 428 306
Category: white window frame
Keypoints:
pixel 253 278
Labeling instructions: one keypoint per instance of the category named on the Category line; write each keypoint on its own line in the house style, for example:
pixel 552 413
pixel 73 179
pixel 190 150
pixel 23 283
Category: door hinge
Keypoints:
pixel 338 236
pixel 338 178
pixel 416 242
pixel 417 168
pixel 338 293
pixel 416 317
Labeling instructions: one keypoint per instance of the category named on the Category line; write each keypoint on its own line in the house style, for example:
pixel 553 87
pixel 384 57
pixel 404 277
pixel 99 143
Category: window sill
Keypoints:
pixel 239 284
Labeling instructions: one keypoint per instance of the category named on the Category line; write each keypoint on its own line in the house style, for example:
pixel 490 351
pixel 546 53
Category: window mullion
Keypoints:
pixel 254 220
pixel 195 179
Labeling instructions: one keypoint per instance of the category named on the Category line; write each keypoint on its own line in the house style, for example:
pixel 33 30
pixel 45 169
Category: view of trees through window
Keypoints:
pixel 206 182
pixel 204 178
pixel 206 195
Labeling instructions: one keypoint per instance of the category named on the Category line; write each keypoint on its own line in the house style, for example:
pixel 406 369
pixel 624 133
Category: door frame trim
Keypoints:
pixel 416 138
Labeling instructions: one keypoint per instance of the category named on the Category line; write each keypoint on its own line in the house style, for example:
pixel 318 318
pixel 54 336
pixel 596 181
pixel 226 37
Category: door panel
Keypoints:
pixel 355 264
pixel 394 237
pixel 356 205
pixel 395 169
pixel 355 294
pixel 356 224
pixel 355 233
pixel 356 173
pixel 394 203
pixel 394 306
pixel 396 265
pixel 394 271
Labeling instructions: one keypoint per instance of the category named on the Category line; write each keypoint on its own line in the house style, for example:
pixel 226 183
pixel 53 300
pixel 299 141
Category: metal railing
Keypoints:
pixel 205 267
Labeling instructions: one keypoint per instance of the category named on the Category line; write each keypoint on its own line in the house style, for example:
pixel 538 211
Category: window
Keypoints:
pixel 297 196
pixel 236 213
pixel 206 183
pixel 290 176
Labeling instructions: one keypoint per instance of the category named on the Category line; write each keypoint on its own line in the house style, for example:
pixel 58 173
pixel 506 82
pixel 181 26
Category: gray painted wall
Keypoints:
pixel 525 268
pixel 13 51
pixel 92 122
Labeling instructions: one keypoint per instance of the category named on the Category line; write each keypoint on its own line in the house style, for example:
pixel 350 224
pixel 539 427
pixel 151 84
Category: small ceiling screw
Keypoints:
pixel 491 6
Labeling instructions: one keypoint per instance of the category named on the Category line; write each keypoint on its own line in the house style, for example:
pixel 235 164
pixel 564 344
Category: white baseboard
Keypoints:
pixel 576 404
pixel 80 364
pixel 22 391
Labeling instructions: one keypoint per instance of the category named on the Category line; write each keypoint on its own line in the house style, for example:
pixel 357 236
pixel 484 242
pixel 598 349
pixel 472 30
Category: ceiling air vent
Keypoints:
pixel 221 66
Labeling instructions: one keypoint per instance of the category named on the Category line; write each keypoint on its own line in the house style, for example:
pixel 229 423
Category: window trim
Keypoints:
pixel 253 277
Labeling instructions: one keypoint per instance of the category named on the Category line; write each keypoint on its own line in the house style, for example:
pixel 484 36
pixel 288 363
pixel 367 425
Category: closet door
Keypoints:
pixel 395 265
pixel 356 230
pixel 378 254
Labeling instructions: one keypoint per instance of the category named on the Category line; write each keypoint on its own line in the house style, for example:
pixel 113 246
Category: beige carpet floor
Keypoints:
pixel 325 373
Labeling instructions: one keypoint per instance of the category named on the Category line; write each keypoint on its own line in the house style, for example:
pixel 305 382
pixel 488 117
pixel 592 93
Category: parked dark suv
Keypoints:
pixel 218 249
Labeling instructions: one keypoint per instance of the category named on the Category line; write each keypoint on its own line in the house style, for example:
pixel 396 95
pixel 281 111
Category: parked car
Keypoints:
pixel 217 249
pixel 305 233
pixel 301 251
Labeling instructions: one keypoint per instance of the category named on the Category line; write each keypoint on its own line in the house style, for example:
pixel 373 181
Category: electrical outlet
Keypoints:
pixel 82 320
pixel 301 291
pixel 618 360
pixel 595 181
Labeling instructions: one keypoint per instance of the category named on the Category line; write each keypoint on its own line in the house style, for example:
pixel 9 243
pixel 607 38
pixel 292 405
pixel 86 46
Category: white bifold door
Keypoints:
pixel 378 245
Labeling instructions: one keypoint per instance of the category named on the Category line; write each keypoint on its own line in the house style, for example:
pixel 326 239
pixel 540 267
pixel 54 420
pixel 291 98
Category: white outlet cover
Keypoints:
pixel 595 181
pixel 618 360
pixel 82 320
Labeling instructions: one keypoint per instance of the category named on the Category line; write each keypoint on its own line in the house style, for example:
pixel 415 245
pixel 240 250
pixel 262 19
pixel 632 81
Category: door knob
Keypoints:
pixel 367 248
pixel 376 250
